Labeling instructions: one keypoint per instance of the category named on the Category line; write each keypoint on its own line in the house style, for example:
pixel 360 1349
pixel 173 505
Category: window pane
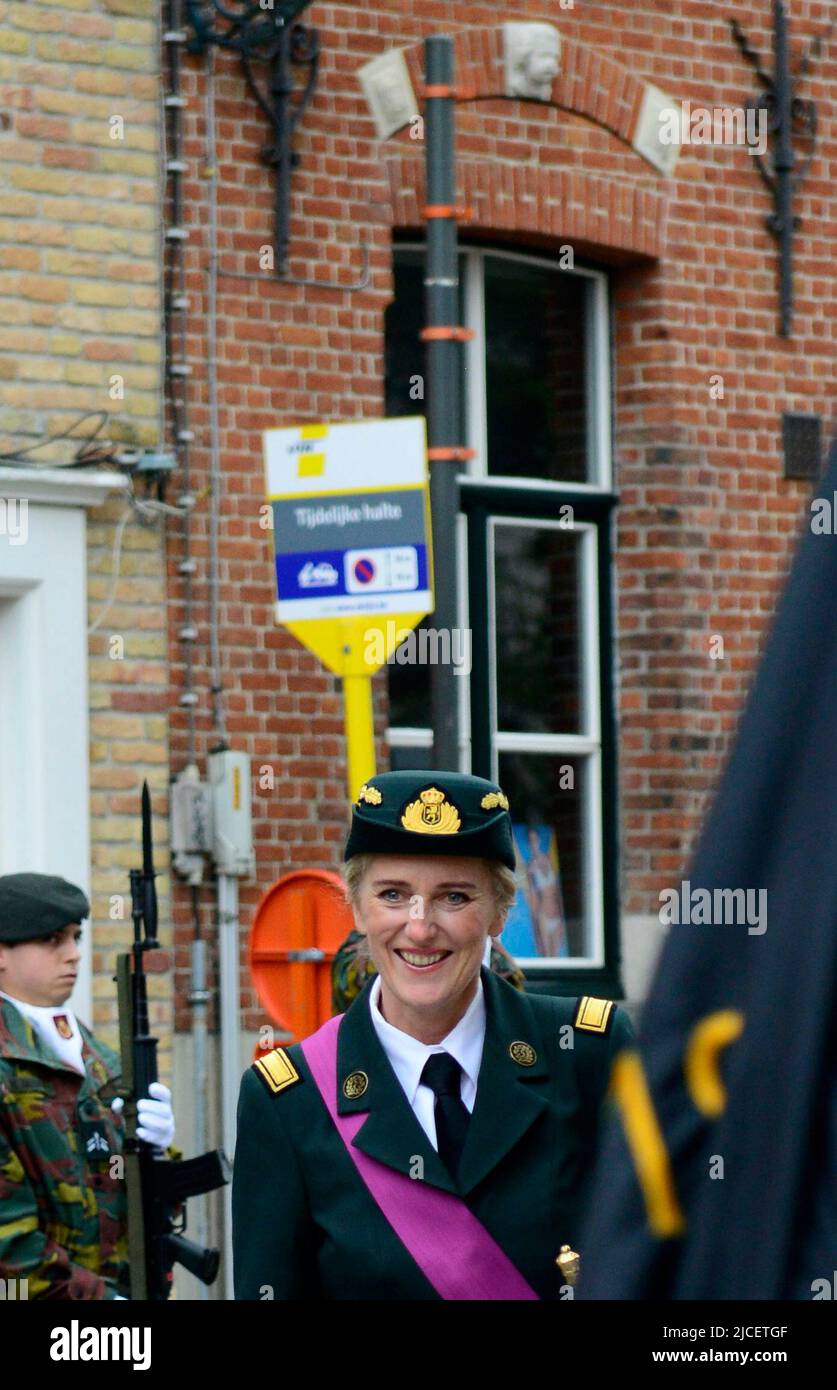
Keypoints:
pixel 405 318
pixel 409 684
pixel 538 589
pixel 535 371
pixel 404 321
pixel 550 916
pixel 403 759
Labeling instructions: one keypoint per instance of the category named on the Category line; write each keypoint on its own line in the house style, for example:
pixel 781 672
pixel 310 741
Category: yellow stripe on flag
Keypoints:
pixel 647 1145
pixel 701 1060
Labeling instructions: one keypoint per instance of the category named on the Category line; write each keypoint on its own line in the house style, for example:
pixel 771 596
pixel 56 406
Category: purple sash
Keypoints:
pixel 450 1246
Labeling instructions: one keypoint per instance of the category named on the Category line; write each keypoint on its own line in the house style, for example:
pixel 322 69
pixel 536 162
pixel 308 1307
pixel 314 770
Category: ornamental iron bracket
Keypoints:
pixel 266 35
pixel 788 115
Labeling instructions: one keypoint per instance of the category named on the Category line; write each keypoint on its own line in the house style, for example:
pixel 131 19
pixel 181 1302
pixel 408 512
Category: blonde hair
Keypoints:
pixel 503 881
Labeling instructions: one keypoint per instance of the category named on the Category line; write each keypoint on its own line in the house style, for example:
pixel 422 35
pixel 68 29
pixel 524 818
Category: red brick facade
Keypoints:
pixel 706 520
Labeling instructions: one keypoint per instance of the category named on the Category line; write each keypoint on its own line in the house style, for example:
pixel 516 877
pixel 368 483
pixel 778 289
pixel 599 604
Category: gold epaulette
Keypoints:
pixel 276 1070
pixel 593 1015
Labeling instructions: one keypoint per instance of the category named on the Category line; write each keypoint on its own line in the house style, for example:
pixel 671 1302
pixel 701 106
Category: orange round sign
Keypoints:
pixel 299 925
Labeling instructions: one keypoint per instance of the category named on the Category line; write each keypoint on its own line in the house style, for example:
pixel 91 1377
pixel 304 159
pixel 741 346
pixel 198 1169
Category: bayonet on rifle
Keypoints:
pixel 157 1186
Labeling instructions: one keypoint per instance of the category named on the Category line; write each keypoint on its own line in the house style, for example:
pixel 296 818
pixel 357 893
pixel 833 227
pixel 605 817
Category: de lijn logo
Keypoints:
pixel 318 576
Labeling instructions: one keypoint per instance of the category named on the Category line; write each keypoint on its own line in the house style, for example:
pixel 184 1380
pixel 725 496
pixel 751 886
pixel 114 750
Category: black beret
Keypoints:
pixel 433 813
pixel 36 905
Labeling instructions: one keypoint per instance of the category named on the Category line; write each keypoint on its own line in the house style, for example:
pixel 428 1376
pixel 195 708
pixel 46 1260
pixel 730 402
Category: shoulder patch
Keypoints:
pixel 276 1070
pixel 594 1015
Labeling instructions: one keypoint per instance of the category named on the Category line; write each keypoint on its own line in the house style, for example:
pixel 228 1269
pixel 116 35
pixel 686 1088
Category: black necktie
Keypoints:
pixel 442 1074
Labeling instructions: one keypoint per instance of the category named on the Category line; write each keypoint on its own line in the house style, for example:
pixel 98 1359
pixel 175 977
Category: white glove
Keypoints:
pixel 155 1117
pixel 117 1105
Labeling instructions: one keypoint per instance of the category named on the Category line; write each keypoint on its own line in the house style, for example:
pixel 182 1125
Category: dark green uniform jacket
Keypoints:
pixel 62 1213
pixel 304 1224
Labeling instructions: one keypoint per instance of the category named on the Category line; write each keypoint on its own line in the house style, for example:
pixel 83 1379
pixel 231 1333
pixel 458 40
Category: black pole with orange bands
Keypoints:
pixel 443 344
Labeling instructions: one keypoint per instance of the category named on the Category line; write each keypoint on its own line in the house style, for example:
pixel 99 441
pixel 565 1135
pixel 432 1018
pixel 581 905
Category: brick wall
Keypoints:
pixel 80 307
pixel 706 521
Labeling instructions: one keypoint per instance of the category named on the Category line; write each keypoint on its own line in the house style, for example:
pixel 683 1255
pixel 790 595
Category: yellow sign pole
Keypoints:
pixel 354 649
pixel 360 732
pixel 357 702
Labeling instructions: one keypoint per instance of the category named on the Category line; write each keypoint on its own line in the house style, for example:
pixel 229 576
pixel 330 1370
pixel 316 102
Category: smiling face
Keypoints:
pixel 426 921
pixel 42 972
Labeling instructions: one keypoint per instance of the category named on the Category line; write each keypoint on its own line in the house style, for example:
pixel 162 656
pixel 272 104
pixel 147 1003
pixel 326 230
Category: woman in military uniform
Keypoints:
pixel 435 1141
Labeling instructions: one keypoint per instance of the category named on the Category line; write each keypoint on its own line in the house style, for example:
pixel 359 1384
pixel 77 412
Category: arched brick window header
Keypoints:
pixel 587 83
pixel 614 218
pixel 591 213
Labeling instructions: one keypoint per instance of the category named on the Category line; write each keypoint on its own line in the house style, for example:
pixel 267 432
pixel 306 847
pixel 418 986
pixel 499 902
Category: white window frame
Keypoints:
pixel 597 372
pixel 598 412
pixel 587 744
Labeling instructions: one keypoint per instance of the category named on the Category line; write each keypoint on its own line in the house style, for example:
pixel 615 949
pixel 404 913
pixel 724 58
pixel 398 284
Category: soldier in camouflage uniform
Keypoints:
pixel 63 1224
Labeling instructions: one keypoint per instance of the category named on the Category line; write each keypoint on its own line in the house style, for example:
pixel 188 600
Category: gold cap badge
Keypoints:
pixel 523 1053
pixel 370 795
pixel 355 1085
pixel 432 814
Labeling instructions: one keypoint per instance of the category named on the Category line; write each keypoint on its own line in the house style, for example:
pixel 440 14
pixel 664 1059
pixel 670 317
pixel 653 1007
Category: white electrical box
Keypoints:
pixel 232 835
pixel 191 813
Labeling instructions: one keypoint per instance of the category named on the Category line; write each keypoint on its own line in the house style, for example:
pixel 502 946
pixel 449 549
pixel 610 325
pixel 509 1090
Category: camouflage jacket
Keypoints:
pixel 63 1224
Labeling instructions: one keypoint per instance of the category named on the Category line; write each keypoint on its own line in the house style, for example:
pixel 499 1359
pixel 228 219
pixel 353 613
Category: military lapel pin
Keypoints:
pixel 355 1085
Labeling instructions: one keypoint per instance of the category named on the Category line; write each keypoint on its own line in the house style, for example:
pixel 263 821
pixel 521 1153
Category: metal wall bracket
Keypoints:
pixel 788 116
pixel 266 38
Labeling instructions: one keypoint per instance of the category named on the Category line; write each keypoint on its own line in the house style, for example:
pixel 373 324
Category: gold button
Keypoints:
pixel 355 1085
pixel 523 1053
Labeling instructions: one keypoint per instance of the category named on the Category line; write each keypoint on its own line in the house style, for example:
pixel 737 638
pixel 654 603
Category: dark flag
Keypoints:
pixel 717 1177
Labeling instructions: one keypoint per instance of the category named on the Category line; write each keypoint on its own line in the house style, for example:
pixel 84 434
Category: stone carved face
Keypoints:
pixel 531 53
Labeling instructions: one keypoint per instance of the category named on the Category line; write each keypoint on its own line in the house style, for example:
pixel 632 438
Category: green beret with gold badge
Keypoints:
pixel 36 905
pixel 434 813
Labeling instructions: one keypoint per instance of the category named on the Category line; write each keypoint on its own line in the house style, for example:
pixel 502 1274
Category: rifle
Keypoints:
pixel 157 1186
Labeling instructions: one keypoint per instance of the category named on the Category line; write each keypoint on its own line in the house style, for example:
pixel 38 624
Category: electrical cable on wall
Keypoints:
pixel 211 172
pixel 177 368
pixel 84 455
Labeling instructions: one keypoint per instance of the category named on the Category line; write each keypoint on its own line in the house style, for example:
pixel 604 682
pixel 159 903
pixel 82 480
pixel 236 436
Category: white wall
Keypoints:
pixel 44 788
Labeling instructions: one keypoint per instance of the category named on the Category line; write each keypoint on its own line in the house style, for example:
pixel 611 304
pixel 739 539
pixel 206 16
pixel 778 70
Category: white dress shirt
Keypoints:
pixel 407 1056
pixel 43 1020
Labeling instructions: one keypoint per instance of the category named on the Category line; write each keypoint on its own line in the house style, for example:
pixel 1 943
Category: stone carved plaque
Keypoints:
pixel 389 92
pixel 531 53
pixel 652 138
